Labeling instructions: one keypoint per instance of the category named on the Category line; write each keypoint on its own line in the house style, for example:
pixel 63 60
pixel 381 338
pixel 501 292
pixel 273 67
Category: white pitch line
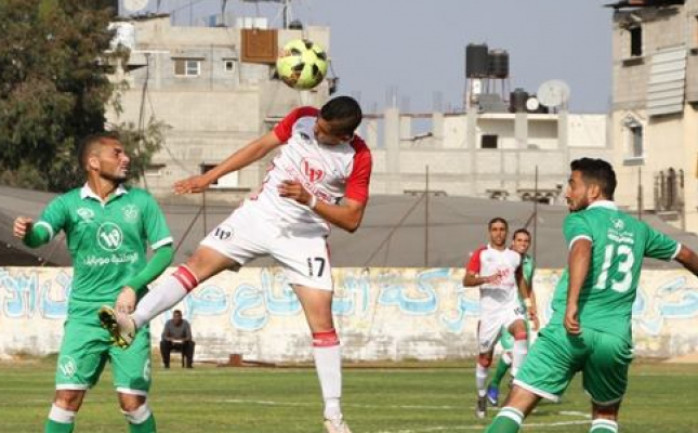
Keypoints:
pixel 482 427
pixel 425 429
pixel 575 413
pixel 363 406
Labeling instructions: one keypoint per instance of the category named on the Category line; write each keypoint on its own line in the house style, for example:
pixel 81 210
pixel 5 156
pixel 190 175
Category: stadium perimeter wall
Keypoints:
pixel 381 314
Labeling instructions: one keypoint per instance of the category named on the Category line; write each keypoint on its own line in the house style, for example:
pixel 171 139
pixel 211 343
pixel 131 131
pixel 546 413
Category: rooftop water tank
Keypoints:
pixel 476 61
pixel 499 64
pixel 517 100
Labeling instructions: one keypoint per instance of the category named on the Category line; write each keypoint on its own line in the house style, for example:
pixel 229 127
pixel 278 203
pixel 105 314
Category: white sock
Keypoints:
pixel 328 364
pixel 161 298
pixel 603 424
pixel 481 379
pixel 60 415
pixel 138 416
pixel 520 352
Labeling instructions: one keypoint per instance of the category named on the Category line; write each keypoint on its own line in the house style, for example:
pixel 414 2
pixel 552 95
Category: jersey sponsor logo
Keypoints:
pixel 114 259
pixel 617 232
pixel 130 213
pixel 67 366
pixel 312 169
pixel 618 224
pixel 109 236
pixel 223 233
pixel 86 214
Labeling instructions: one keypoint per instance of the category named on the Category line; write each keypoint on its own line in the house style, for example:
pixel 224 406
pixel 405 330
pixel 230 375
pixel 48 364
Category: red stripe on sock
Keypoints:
pixel 186 277
pixel 325 339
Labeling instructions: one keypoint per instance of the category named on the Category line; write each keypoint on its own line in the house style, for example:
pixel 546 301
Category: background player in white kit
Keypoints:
pixel 320 175
pixel 498 271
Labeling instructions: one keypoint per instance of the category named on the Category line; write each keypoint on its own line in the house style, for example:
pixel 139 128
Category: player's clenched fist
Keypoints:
pixel 22 226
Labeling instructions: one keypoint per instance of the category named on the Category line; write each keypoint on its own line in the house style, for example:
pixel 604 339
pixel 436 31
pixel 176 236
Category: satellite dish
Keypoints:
pixel 135 5
pixel 532 104
pixel 553 93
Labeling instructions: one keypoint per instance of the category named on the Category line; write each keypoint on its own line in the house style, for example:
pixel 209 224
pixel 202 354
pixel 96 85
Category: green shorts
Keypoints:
pixel 85 349
pixel 556 357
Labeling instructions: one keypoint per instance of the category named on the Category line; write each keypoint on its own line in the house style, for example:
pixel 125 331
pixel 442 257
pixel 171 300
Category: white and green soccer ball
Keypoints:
pixel 302 64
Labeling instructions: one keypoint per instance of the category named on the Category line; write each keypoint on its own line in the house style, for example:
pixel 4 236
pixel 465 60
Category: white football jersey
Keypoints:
pixel 488 261
pixel 329 172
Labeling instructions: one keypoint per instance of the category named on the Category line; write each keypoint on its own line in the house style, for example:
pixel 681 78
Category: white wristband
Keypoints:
pixel 528 303
pixel 313 202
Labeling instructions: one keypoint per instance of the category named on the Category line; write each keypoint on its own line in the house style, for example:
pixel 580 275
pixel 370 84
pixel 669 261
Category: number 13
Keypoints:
pixel 625 253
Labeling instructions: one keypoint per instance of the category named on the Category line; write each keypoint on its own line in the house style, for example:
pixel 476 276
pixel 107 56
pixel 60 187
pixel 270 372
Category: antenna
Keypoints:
pixel 554 93
pixel 135 5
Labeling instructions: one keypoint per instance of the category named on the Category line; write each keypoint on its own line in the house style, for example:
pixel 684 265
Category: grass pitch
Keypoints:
pixel 439 398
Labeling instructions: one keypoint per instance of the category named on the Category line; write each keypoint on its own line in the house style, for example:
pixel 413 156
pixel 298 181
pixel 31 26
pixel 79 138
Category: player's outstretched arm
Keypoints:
pixel 579 259
pixel 688 258
pixel 253 151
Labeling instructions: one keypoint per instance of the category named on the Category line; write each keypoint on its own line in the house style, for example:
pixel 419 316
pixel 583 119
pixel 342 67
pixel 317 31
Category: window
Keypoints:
pixel 635 41
pixel 154 169
pixel 488 141
pixel 230 180
pixel 229 65
pixel 634 137
pixel 636 147
pixel 187 67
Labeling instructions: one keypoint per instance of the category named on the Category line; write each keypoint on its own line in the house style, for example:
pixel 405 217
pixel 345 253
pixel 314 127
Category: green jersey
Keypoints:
pixel 107 240
pixel 619 243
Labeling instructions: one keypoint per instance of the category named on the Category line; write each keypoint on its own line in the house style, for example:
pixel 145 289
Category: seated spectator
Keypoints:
pixel 177 336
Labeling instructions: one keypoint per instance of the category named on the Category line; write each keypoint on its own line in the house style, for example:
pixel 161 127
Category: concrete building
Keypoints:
pixel 214 87
pixel 482 154
pixel 654 122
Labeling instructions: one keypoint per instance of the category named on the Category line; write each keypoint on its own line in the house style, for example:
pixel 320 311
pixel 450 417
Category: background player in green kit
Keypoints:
pixel 108 228
pixel 521 241
pixel 590 329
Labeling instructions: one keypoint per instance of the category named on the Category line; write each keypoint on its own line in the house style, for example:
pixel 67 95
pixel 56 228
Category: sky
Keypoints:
pixel 415 49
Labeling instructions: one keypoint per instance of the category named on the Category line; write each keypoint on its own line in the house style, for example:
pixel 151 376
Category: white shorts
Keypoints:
pixel 298 248
pixel 492 322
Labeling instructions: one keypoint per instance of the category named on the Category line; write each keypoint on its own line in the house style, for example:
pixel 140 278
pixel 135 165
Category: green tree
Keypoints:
pixel 54 89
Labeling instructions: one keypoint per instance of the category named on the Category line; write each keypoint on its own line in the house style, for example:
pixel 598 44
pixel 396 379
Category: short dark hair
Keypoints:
pixel 521 230
pixel 498 220
pixel 90 143
pixel 177 312
pixel 597 171
pixel 345 114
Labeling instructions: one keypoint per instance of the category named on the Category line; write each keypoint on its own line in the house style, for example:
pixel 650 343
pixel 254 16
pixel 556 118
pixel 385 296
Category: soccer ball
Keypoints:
pixel 302 64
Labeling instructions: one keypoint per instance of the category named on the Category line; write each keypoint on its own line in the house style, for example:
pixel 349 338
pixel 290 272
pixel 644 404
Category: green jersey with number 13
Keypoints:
pixel 619 243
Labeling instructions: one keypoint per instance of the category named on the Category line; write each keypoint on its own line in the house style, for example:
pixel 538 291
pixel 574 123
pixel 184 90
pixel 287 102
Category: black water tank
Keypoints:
pixel 517 100
pixel 476 61
pixel 498 64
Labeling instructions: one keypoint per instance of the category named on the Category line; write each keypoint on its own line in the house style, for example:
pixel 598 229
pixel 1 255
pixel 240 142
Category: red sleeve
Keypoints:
pixel 360 177
pixel 284 129
pixel 474 263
